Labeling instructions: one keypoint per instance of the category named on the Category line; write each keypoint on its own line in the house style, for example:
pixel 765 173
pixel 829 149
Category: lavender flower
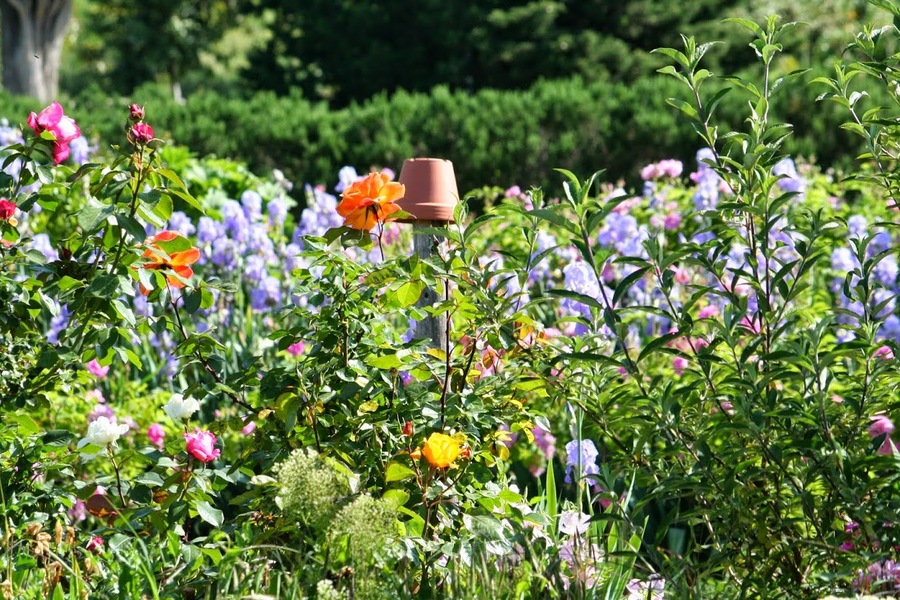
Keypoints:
pixel 181 223
pixel 581 457
pixel 707 195
pixel 277 209
pixel 260 241
pixel 58 324
pixel 255 268
pixel 319 216
pixel 857 226
pixel 9 135
pixel 81 150
pixel 267 294
pixel 209 230
pixel 251 202
pixel 237 226
pixel 346 176
pixel 790 180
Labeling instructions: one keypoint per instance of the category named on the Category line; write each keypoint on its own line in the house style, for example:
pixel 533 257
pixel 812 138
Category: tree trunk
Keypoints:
pixel 32 34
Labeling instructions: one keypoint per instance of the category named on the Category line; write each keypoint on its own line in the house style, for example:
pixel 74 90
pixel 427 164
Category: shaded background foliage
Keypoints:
pixel 493 85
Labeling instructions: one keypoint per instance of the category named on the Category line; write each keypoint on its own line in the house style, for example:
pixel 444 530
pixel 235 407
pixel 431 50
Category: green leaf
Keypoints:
pixel 396 498
pixel 210 514
pixel 190 553
pixel 207 299
pixel 186 197
pixel 398 472
pixel 657 344
pixel 627 282
pixel 93 215
pixel 584 299
pixel 192 300
pixel 550 490
pixel 683 107
pixel 409 293
pixel 553 217
pixel 369 406
pixel 385 362
pixel 747 23
pixel 27 425
pixel 67 283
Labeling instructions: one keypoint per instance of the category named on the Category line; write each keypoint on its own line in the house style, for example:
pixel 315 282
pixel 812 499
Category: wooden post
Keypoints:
pixel 433 327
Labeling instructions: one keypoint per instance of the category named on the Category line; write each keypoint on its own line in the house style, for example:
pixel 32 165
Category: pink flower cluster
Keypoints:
pixel 63 128
pixel 664 168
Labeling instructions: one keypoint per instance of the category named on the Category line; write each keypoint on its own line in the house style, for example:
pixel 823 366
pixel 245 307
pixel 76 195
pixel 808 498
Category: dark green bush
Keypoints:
pixel 493 137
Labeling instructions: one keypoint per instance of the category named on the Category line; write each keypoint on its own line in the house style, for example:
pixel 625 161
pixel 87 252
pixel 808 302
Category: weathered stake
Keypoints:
pixel 431 197
pixel 433 327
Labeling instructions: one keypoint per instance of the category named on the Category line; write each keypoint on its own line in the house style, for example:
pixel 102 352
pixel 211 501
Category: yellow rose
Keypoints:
pixel 440 450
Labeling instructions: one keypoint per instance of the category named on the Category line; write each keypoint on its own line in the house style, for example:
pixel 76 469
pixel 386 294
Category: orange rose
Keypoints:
pixel 370 201
pixel 441 450
pixel 179 262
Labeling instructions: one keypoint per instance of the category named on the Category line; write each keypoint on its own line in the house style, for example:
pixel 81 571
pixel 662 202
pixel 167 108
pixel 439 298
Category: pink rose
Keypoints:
pixel 141 133
pixel 296 348
pixel 202 445
pixel 249 428
pixel 157 434
pixel 62 127
pixel 679 365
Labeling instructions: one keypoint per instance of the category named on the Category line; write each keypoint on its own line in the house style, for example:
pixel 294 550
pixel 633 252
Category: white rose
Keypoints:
pixel 180 409
pixel 102 432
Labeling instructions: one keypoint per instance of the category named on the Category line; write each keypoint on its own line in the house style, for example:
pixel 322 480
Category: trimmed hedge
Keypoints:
pixel 493 137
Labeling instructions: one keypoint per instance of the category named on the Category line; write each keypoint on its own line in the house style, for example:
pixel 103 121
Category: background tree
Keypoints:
pixel 347 50
pixel 127 43
pixel 33 32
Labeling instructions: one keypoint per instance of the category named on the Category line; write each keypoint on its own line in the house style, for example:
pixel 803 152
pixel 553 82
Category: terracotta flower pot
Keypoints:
pixel 431 193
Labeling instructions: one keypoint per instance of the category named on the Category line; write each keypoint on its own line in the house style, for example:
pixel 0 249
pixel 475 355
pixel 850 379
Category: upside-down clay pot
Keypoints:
pixel 431 193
